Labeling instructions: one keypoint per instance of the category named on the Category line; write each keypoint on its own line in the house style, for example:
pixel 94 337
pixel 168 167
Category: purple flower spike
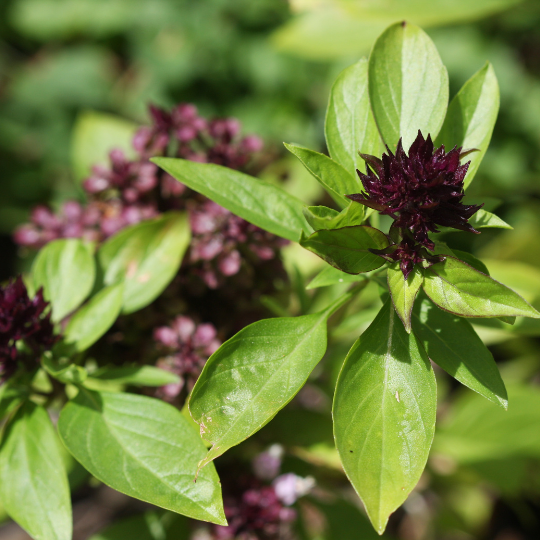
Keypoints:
pixel 419 191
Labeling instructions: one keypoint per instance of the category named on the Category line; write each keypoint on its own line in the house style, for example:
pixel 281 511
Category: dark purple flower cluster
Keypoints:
pixel 22 318
pixel 419 191
pixel 188 347
pixel 130 191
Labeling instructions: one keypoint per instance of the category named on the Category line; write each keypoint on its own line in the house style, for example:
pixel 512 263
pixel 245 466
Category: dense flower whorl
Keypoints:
pixel 22 318
pixel 188 346
pixel 420 190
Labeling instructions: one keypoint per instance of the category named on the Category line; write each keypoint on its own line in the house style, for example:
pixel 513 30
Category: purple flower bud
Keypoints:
pixel 186 133
pixel 290 487
pixel 142 139
pixel 209 249
pixel 184 327
pixel 204 335
pixel 72 210
pixel 184 112
pixel 266 465
pixel 27 235
pixel 251 144
pixel 230 264
pixel 96 184
pixel 43 217
pixel 170 187
pixel 167 336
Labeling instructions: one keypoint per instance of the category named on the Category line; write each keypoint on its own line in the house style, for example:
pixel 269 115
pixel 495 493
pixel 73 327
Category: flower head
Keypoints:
pixel 188 346
pixel 420 191
pixel 22 318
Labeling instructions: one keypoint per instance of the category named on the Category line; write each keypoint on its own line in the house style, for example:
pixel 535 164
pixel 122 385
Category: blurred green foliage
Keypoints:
pixel 271 65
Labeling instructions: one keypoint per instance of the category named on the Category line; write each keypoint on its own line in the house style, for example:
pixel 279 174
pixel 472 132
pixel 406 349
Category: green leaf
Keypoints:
pixel 330 174
pixel 330 276
pixel 484 219
pixel 321 217
pixel 9 399
pixel 403 291
pixel 255 374
pixel 95 134
pixel 452 343
pixel 146 257
pixel 347 249
pixel 384 415
pixel 66 271
pixel 137 375
pixel 63 370
pixel 460 289
pixel 350 127
pixel 92 321
pixel 471 117
pixel 254 200
pixel 144 448
pixel 33 482
pixel 408 85
pixel 470 259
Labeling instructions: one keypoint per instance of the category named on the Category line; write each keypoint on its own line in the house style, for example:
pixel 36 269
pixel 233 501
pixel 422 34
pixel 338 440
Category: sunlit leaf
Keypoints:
pixel 384 415
pixel 33 482
pixel 408 85
pixel 257 201
pixel 144 448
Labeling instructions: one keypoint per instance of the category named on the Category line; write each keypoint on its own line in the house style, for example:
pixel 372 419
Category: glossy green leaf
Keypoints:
pixel 144 448
pixel 329 173
pixel 384 415
pixel 331 276
pixel 460 289
pixel 254 200
pixel 66 271
pixel 470 259
pixel 452 343
pixel 403 291
pixel 321 217
pixel 255 374
pixel 91 321
pixel 33 482
pixel 408 85
pixel 95 134
pixel 471 118
pixel 137 375
pixel 350 127
pixel 347 249
pixel 146 257
pixel 9 399
pixel 484 219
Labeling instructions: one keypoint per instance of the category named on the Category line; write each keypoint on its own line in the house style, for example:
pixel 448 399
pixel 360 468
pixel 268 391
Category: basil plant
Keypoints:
pixel 399 156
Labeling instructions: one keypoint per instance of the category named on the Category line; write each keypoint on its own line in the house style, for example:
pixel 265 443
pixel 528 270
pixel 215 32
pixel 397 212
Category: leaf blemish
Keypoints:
pixel 397 396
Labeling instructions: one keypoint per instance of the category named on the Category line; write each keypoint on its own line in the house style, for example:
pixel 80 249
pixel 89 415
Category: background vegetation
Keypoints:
pixel 271 63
